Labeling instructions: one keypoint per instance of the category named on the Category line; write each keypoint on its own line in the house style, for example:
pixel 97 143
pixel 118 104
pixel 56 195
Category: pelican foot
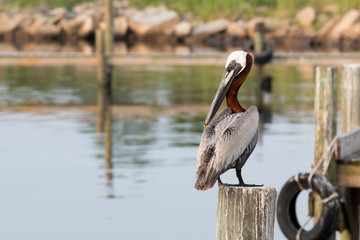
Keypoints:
pixel 253 185
pixel 241 181
pixel 220 183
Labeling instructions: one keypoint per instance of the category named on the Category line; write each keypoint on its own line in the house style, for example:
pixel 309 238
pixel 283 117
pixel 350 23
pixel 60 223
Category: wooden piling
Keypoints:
pixel 100 55
pixel 259 37
pixel 245 213
pixel 104 81
pixel 325 110
pixel 350 98
pixel 350 120
pixel 108 42
pixel 325 127
pixel 109 36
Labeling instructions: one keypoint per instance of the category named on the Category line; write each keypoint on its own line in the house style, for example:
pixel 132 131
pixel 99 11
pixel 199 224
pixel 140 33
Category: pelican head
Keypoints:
pixel 235 64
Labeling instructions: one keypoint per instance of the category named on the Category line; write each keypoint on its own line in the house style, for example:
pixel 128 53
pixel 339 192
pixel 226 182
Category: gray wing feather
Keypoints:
pixel 235 139
pixel 210 134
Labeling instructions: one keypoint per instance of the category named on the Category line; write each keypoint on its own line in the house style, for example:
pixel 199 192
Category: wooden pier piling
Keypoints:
pixel 245 213
pixel 104 81
pixel 350 98
pixel 101 58
pixel 325 127
pixel 109 34
pixel 345 171
pixel 325 110
pixel 259 37
pixel 348 164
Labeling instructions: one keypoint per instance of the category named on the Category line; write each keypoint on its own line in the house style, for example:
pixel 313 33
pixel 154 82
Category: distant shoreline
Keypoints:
pixel 212 59
pixel 159 26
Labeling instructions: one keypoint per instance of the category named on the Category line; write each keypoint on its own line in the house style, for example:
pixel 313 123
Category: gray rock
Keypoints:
pixel 9 24
pixel 237 29
pixel 152 20
pixel 326 28
pixel 42 28
pixel 121 26
pixel 306 16
pixel 346 22
pixel 87 27
pixel 205 30
pixel 58 11
pixel 182 29
pixel 353 32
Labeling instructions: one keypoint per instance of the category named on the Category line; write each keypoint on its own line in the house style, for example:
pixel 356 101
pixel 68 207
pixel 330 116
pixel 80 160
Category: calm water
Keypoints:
pixel 65 175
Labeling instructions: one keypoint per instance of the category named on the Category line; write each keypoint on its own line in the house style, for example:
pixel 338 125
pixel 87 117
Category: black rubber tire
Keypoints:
pixel 260 58
pixel 286 212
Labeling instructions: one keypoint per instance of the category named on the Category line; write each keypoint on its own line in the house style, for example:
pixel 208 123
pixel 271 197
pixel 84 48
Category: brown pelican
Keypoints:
pixel 229 139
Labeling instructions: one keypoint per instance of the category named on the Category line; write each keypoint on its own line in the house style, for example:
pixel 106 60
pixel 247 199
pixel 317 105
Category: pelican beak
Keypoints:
pixel 230 73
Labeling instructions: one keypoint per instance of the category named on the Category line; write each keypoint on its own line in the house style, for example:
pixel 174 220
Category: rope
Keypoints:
pixel 298 234
pixel 326 159
pixel 298 182
pixel 329 198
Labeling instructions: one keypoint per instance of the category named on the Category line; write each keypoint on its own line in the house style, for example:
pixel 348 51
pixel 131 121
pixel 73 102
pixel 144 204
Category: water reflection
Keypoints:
pixel 280 45
pixel 104 122
pixel 263 95
pixel 139 147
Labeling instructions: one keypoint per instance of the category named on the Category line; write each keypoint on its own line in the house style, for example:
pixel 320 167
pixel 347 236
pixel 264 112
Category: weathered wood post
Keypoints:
pixel 259 37
pixel 350 98
pixel 245 213
pixel 101 77
pixel 325 110
pixel 104 82
pixel 258 48
pixel 108 17
pixel 109 41
pixel 104 47
pixel 350 120
pixel 325 126
pixel 104 116
pixel 101 58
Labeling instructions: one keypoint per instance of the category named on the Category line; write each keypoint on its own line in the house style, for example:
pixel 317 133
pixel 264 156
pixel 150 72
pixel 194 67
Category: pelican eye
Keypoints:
pixel 232 65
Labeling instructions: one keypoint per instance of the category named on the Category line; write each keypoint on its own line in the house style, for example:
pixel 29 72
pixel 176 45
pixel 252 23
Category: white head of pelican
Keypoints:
pixel 229 139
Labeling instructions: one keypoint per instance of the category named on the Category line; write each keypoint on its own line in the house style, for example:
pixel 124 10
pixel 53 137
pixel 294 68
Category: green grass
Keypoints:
pixel 52 3
pixel 210 9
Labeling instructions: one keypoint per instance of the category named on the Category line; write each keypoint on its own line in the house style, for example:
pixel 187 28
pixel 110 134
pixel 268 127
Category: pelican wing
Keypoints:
pixel 211 132
pixel 232 137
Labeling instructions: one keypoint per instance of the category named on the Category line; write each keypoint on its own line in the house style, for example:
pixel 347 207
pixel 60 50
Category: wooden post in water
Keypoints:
pixel 108 17
pixel 350 98
pixel 258 48
pixel 104 116
pixel 104 82
pixel 325 110
pixel 325 126
pixel 101 77
pixel 100 54
pixel 350 120
pixel 245 213
pixel 259 37
pixel 109 42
